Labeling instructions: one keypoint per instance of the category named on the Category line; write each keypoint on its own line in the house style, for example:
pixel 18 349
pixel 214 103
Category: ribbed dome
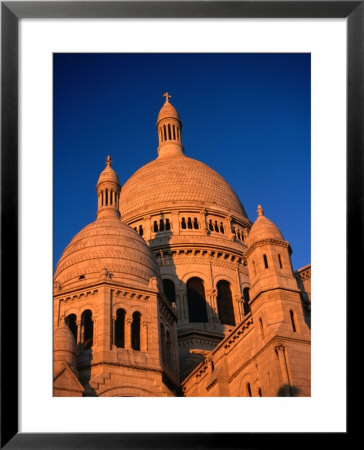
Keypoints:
pixel 64 348
pixel 168 111
pixel 106 244
pixel 177 181
pixel 109 175
pixel 263 228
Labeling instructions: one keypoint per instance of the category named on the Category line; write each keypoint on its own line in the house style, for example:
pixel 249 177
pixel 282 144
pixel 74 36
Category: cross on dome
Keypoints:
pixel 108 161
pixel 167 96
pixel 260 211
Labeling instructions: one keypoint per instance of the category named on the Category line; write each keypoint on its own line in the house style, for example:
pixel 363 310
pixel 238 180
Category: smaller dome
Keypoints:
pixel 168 111
pixel 108 174
pixel 263 228
pixel 64 348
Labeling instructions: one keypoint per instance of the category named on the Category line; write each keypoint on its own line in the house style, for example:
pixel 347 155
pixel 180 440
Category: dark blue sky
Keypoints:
pixel 247 116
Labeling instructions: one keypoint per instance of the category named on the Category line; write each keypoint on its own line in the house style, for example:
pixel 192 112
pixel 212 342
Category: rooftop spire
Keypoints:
pixel 260 211
pixel 108 192
pixel 169 128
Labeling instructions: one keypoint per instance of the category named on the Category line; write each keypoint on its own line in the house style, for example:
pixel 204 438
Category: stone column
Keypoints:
pixel 79 332
pixel 113 320
pixel 144 337
pixel 128 333
pixel 280 350
pixel 239 299
pixel 204 226
pixel 182 307
pixel 175 226
pixel 212 312
pixel 147 228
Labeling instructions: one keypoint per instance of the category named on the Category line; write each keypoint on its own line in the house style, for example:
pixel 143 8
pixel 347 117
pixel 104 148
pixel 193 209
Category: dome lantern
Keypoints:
pixel 169 128
pixel 108 192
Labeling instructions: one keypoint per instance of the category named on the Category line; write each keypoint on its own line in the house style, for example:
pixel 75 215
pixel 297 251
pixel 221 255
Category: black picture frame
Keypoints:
pixel 11 12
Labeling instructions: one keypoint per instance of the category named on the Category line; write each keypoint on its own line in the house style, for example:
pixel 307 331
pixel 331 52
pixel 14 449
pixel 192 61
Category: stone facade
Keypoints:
pixel 173 291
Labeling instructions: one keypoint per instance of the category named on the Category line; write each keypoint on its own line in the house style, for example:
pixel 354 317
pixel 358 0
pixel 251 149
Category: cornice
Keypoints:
pixel 276 242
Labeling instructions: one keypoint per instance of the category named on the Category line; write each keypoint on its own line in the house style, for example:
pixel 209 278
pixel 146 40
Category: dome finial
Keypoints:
pixel 260 211
pixel 167 96
pixel 108 161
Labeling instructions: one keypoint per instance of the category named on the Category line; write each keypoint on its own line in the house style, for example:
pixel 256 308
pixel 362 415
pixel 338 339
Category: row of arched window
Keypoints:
pixel 197 304
pixel 170 132
pixel 238 233
pixel 161 225
pixel 217 227
pixel 108 197
pixel 85 336
pixel 139 230
pixel 190 223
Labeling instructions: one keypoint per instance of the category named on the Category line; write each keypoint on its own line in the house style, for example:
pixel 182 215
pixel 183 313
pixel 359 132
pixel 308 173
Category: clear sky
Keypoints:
pixel 246 115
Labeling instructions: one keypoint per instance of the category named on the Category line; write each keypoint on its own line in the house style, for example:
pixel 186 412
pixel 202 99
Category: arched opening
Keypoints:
pixel 155 226
pixel 197 311
pixel 141 232
pixel 189 223
pixel 174 132
pixel 102 198
pixel 161 225
pixel 265 261
pixel 254 268
pixel 211 227
pixel 168 225
pixel 183 223
pixel 120 328
pixel 222 228
pixel 164 132
pixel 260 392
pixel 169 290
pixel 135 331
pixel 72 325
pixel 246 298
pixel 216 227
pixel 106 197
pixel 195 223
pixel 169 132
pixel 87 329
pixel 293 322
pixel 225 303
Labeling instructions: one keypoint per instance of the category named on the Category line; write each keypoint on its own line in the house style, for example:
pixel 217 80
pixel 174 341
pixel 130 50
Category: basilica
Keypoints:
pixel 173 291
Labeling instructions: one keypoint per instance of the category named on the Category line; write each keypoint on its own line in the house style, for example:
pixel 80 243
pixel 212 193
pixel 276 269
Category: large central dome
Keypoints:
pixel 178 180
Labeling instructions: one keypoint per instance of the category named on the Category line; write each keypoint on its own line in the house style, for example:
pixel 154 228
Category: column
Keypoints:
pixel 182 307
pixel 144 337
pixel 280 350
pixel 79 332
pixel 128 333
pixel 113 319
pixel 212 311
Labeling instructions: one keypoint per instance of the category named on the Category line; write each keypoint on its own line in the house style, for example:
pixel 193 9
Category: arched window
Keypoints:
pixel 221 228
pixel 260 392
pixel 135 331
pixel 293 322
pixel 155 226
pixel 141 230
pixel 120 328
pixel 195 223
pixel 163 343
pixel 216 227
pixel 225 303
pixel 87 329
pixel 280 261
pixel 165 132
pixel 174 132
pixel 169 132
pixel 254 268
pixel 102 198
pixel 72 325
pixel 246 297
pixel 189 223
pixel 197 311
pixel 168 225
pixel 169 290
pixel 161 225
pixel 183 223
pixel 239 237
pixel 265 261
pixel 211 227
